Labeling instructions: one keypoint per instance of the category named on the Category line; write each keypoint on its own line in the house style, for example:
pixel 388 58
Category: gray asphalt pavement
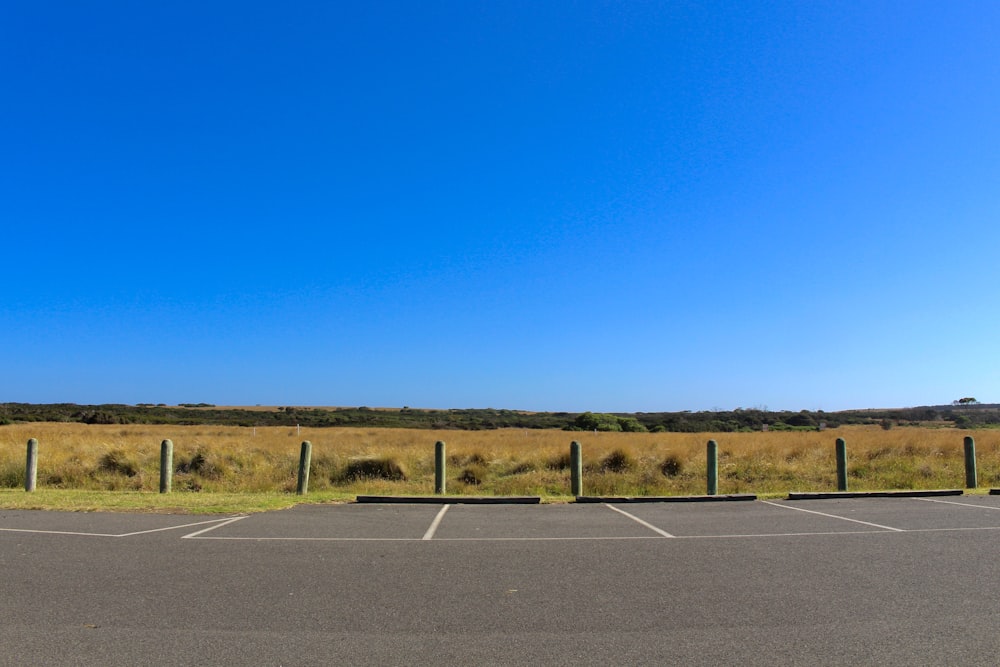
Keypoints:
pixel 820 582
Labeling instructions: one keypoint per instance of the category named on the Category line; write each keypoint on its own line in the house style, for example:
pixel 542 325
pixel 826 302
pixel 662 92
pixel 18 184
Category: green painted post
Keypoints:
pixel 575 469
pixel 970 463
pixel 713 468
pixel 31 467
pixel 841 464
pixel 440 479
pixel 166 465
pixel 305 458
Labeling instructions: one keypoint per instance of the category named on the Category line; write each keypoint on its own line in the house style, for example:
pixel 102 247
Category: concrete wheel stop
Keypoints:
pixel 826 495
pixel 666 499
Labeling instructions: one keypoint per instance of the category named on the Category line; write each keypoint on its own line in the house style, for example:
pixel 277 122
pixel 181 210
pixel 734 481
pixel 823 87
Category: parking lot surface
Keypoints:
pixel 896 581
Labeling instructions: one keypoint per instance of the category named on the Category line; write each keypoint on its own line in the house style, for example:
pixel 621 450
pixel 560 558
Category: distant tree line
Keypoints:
pixel 961 415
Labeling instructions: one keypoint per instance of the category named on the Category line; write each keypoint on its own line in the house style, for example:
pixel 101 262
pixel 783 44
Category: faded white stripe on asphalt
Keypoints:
pixel 834 516
pixel 952 502
pixel 56 532
pixel 220 524
pixel 138 532
pixel 639 521
pixel 429 535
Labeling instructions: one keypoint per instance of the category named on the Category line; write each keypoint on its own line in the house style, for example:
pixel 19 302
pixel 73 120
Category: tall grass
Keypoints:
pixel 503 462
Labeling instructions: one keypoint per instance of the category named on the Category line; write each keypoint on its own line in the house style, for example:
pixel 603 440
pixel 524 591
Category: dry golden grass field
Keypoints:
pixel 350 461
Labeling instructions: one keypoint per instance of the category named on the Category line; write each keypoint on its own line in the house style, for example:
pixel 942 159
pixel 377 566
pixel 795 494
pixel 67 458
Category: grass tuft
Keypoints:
pixel 117 462
pixel 474 475
pixel 617 461
pixel 560 462
pixel 671 466
pixel 375 468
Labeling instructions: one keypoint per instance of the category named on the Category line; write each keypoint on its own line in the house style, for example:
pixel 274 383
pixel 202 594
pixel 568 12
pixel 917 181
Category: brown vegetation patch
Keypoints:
pixel 375 468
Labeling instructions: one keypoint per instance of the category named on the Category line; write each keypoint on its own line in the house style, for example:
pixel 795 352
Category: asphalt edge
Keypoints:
pixel 453 500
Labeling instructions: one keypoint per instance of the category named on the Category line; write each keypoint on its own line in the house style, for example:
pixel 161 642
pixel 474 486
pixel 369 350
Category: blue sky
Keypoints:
pixel 602 206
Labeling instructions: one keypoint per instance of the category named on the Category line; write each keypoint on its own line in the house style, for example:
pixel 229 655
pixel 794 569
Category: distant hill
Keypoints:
pixel 961 416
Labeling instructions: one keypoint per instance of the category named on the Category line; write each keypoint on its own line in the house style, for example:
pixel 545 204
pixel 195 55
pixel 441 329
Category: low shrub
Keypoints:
pixel 561 462
pixel 617 461
pixel 375 468
pixel 671 466
pixel 200 464
pixel 523 467
pixel 474 474
pixel 118 463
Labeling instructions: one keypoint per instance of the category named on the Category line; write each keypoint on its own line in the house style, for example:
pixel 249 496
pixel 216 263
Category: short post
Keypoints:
pixel 305 457
pixel 166 465
pixel 841 464
pixel 440 482
pixel 970 463
pixel 31 467
pixel 575 469
pixel 713 468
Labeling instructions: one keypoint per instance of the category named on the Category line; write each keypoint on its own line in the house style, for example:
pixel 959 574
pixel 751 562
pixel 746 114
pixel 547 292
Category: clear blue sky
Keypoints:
pixel 607 206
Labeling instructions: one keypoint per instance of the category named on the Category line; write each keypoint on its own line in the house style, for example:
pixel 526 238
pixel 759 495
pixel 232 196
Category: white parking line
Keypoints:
pixel 221 522
pixel 56 532
pixel 640 521
pixel 952 502
pixel 218 524
pixel 834 516
pixel 429 535
pixel 138 532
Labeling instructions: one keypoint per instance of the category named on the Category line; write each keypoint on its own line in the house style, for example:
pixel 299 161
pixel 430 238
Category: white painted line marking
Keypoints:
pixel 952 502
pixel 186 525
pixel 639 521
pixel 55 532
pixel 218 524
pixel 138 532
pixel 429 535
pixel 834 516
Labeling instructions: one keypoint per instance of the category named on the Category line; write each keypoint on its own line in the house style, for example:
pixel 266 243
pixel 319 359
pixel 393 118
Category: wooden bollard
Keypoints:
pixel 841 464
pixel 440 480
pixel 31 466
pixel 305 459
pixel 971 479
pixel 166 465
pixel 713 468
pixel 575 469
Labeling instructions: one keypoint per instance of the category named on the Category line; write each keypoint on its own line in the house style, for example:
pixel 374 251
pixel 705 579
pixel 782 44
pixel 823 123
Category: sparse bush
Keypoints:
pixel 118 463
pixel 200 464
pixel 186 482
pixel 631 425
pixel 375 468
pixel 523 467
pixel 561 462
pixel 617 461
pixel 671 466
pixel 590 421
pixel 473 474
